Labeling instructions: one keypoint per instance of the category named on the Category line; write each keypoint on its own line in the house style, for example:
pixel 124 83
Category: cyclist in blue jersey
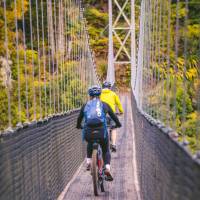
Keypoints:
pixel 94 115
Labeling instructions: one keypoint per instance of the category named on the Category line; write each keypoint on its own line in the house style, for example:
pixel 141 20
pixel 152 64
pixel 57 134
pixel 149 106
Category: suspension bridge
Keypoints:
pixel 46 66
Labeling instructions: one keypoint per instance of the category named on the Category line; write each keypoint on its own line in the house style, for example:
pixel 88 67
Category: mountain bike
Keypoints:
pixel 97 169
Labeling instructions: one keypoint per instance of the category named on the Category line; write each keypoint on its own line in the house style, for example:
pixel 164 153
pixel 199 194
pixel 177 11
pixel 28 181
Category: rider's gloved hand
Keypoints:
pixel 119 125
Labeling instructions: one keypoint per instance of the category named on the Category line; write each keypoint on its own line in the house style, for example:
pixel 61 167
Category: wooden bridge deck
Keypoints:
pixel 123 168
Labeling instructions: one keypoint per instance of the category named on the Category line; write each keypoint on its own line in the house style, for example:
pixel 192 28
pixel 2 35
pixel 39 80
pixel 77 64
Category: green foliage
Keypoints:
pixel 33 85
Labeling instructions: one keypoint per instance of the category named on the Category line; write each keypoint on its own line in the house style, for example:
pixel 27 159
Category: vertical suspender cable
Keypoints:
pixel 184 68
pixel 142 65
pixel 25 62
pixel 153 59
pixel 149 44
pixel 79 83
pixel 62 55
pixel 110 71
pixel 65 51
pixel 84 58
pixel 56 55
pixel 74 51
pixel 155 82
pixel 80 53
pixel 60 51
pixel 162 63
pixel 159 63
pixel 68 52
pixel 72 54
pixel 133 49
pixel 168 118
pixel 49 55
pixel 138 87
pixel 148 47
pixel 33 64
pixel 164 57
pixel 52 46
pixel 198 106
pixel 79 50
pixel 75 54
pixel 175 66
pixel 145 55
pixel 8 72
pixel 39 64
pixel 18 68
pixel 44 61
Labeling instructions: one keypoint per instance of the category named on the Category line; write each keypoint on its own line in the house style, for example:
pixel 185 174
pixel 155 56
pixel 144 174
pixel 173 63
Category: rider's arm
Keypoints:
pixel 118 103
pixel 112 114
pixel 80 117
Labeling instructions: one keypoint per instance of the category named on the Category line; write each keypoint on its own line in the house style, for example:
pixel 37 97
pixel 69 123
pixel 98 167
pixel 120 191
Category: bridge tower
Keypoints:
pixel 121 37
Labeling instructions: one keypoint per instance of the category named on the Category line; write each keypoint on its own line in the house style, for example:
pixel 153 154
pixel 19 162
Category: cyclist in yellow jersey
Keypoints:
pixel 111 98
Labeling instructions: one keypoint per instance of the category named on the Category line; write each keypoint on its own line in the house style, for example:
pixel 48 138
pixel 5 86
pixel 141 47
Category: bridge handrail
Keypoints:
pixel 38 160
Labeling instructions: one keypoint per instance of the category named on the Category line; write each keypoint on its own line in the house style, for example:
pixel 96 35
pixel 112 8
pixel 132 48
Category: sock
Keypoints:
pixel 88 160
pixel 108 167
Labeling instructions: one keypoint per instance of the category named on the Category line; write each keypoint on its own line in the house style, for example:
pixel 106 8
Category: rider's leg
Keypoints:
pixel 106 152
pixel 113 136
pixel 89 149
pixel 89 155
pixel 107 158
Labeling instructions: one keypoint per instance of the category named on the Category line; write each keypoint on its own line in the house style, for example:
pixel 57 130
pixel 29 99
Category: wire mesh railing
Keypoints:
pixel 165 168
pixel 167 82
pixel 45 59
pixel 38 161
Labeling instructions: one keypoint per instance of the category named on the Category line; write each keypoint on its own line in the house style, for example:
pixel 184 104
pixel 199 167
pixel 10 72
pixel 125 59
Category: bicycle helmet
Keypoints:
pixel 94 90
pixel 106 84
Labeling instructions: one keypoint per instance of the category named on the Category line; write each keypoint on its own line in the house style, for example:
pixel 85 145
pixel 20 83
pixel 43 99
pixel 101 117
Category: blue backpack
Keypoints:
pixel 94 113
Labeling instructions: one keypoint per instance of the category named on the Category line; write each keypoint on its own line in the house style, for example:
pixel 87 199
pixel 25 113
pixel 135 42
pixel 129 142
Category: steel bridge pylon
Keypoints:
pixel 122 49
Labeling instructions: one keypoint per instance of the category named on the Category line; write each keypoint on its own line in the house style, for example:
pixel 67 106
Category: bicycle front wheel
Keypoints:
pixel 95 172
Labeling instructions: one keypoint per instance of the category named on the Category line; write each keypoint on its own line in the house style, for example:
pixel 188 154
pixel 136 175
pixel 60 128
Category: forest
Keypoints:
pixel 43 57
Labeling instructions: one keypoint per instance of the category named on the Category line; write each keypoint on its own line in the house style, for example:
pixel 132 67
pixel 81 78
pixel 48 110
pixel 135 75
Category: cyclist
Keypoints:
pixel 94 114
pixel 111 98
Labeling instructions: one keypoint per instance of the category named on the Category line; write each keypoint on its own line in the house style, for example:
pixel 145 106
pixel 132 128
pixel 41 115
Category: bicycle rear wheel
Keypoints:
pixel 95 172
pixel 102 187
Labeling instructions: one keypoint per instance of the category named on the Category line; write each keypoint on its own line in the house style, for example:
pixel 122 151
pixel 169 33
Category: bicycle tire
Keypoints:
pixel 94 172
pixel 102 187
